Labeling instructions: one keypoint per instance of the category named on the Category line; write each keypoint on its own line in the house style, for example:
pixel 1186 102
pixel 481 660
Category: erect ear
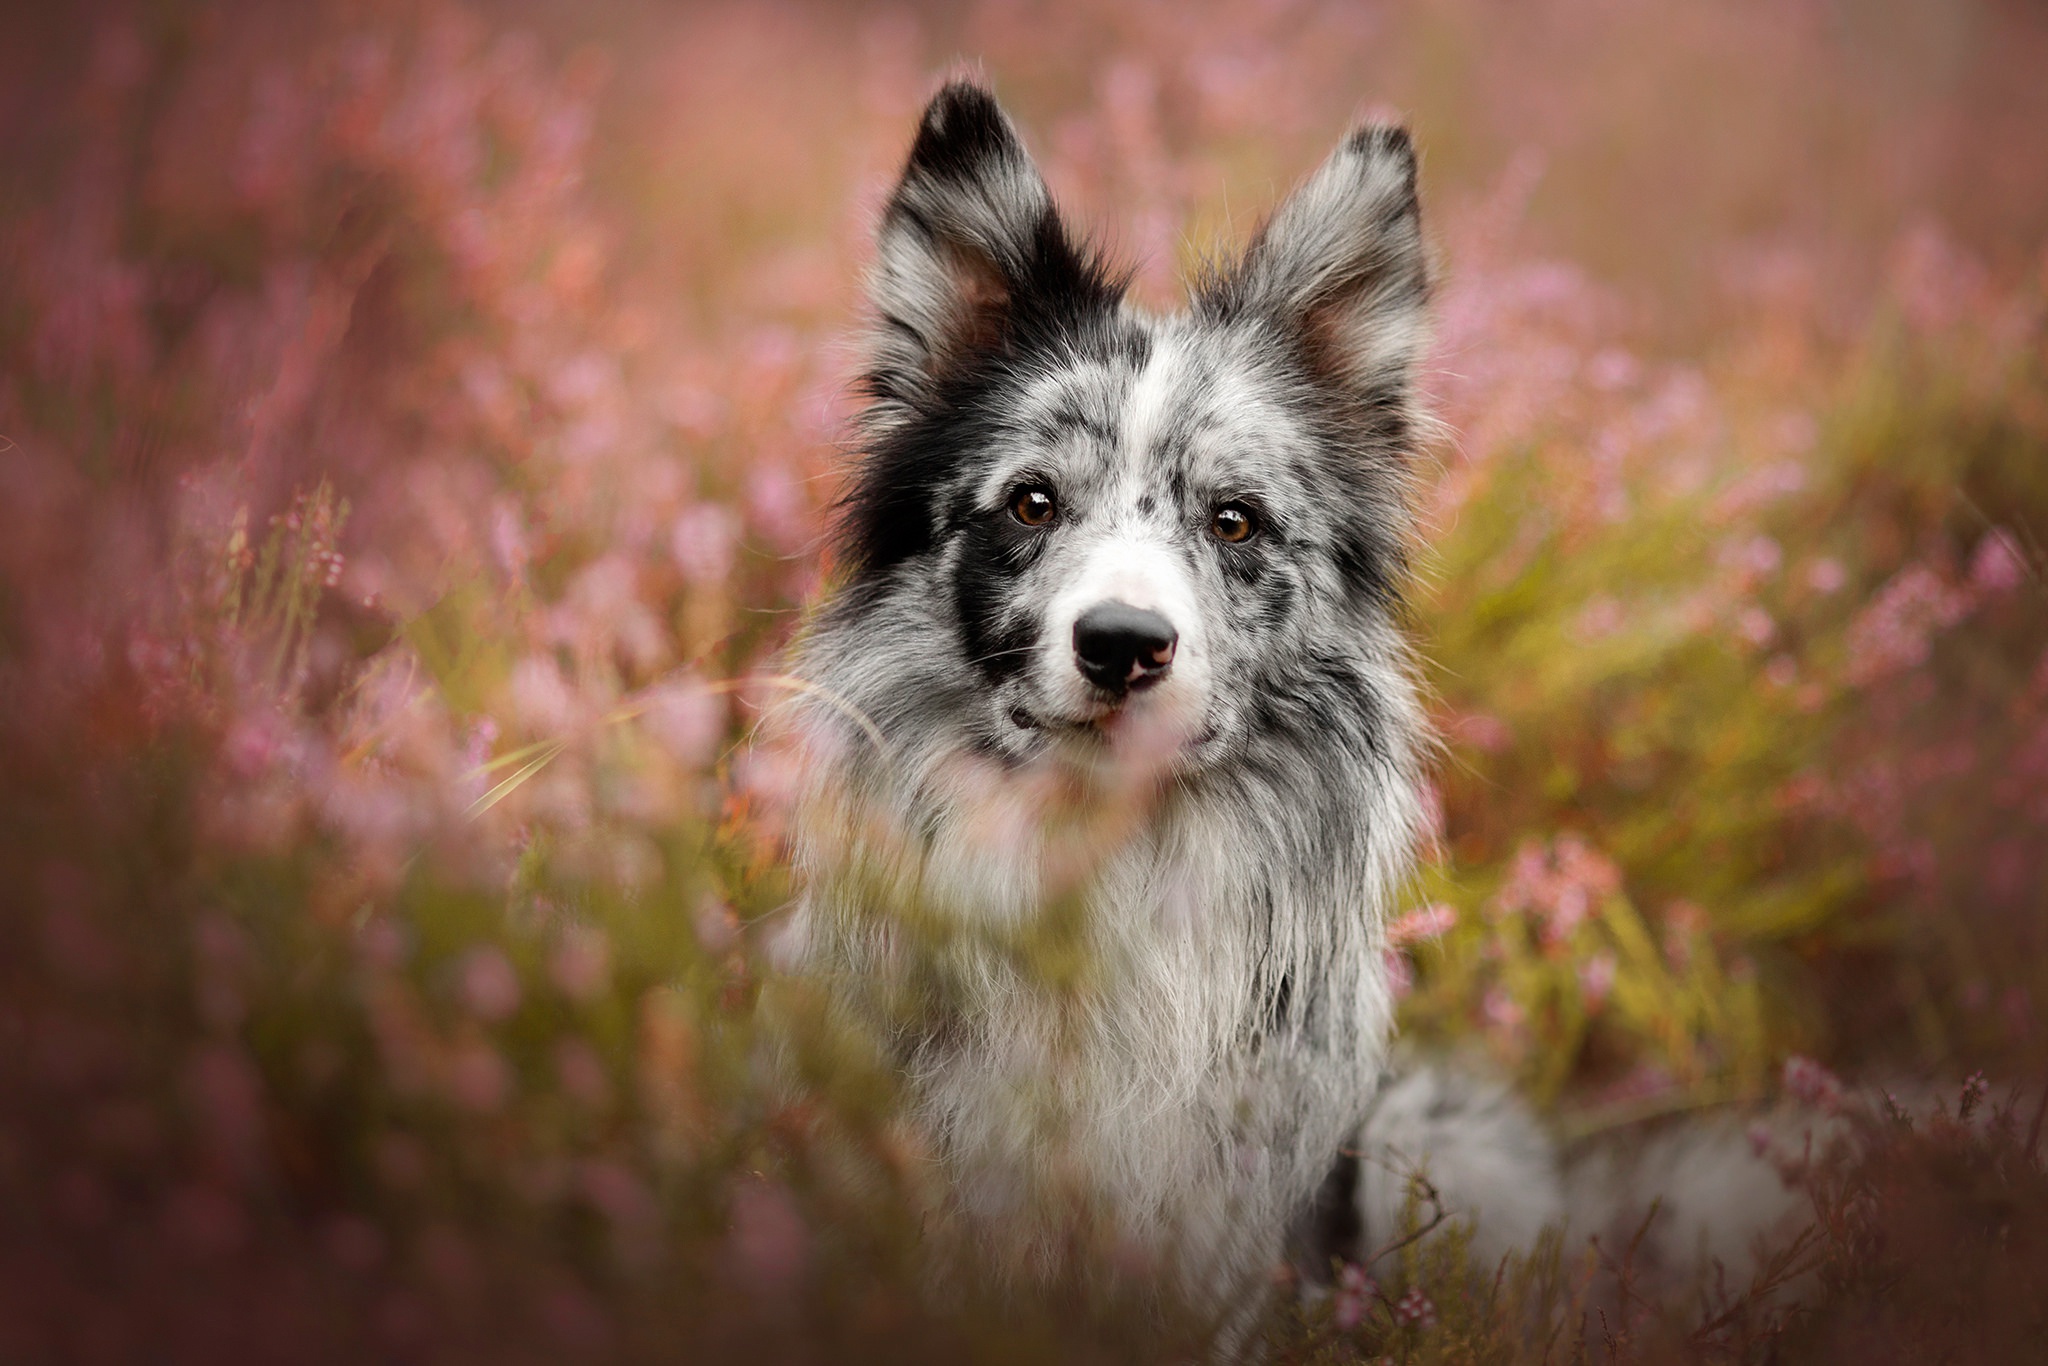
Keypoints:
pixel 970 249
pixel 1341 264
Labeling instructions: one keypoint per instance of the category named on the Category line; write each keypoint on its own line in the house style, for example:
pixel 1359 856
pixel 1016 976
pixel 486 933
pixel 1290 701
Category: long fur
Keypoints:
pixel 1127 948
pixel 1231 1028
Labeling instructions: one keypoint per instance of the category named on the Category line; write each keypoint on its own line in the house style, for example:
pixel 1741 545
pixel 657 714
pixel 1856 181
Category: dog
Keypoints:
pixel 1112 737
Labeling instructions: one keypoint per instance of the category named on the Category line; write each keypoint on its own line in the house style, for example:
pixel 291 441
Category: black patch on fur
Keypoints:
pixel 994 549
pixel 1276 1011
pixel 963 128
pixel 1330 1230
pixel 1059 299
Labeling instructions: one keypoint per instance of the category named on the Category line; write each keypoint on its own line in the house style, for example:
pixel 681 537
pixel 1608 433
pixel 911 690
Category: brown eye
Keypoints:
pixel 1233 523
pixel 1033 506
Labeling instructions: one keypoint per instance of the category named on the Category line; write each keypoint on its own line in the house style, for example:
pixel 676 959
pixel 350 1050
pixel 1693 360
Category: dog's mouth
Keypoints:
pixel 1101 727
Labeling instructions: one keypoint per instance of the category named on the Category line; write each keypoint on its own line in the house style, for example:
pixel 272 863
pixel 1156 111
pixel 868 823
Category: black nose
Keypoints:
pixel 1119 647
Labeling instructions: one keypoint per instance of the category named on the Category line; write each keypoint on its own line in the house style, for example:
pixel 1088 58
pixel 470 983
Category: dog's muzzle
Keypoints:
pixel 1120 648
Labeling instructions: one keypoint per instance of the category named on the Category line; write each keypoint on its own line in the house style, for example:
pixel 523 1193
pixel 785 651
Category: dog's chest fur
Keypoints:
pixel 1118 916
pixel 1177 1047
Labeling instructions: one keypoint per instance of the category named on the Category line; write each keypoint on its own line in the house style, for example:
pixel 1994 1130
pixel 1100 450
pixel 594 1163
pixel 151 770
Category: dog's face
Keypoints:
pixel 1176 528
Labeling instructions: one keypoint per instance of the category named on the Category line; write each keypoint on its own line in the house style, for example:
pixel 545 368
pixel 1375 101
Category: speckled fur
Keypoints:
pixel 1232 1025
pixel 1213 1078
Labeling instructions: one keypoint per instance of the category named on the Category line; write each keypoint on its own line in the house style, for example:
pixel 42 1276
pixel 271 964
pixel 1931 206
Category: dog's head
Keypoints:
pixel 1185 524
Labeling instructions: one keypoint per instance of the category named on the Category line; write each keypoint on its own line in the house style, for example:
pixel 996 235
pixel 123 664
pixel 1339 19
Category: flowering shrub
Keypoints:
pixel 414 432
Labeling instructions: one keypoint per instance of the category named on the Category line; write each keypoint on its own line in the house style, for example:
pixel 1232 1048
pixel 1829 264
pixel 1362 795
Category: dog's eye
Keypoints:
pixel 1032 505
pixel 1233 523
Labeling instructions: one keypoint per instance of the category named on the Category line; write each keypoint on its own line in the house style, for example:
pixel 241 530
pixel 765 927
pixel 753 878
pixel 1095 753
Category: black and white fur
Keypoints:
pixel 1204 1079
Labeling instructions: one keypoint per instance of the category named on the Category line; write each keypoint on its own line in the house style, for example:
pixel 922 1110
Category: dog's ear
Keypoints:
pixel 1341 265
pixel 970 249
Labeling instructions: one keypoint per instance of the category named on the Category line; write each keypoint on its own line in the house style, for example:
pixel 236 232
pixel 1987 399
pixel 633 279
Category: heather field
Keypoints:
pixel 417 423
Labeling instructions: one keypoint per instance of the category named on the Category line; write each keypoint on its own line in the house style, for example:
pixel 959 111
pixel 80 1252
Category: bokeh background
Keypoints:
pixel 416 427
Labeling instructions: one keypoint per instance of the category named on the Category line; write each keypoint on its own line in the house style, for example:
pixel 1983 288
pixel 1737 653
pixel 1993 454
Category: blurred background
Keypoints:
pixel 416 426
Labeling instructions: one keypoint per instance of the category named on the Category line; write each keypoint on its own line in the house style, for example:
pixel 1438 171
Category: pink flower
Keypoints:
pixel 541 697
pixel 581 962
pixel 1500 1010
pixel 478 1078
pixel 1974 1089
pixel 1415 1309
pixel 686 718
pixel 1998 566
pixel 1894 632
pixel 1600 617
pixel 1400 975
pixel 1426 923
pixel 1484 732
pixel 490 985
pixel 1754 625
pixel 770 1243
pixel 1355 1293
pixel 1826 575
pixel 1811 1084
pixel 582 1072
pixel 703 543
pixel 1596 979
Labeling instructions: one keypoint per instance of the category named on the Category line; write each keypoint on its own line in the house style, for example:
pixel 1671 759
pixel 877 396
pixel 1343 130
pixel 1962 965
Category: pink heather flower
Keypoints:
pixel 770 1244
pixel 1894 631
pixel 697 411
pixel 478 1078
pixel 1998 566
pixel 686 718
pixel 1754 625
pixel 1355 1294
pixel 1684 922
pixel 1567 911
pixel 1782 671
pixel 718 929
pixel 1600 617
pixel 621 1195
pixel 1613 368
pixel 1433 817
pixel 1488 734
pixel 476 745
pixel 1645 1081
pixel 509 540
pixel 1596 979
pixel 1755 557
pixel 1562 889
pixel 581 1072
pixel 581 962
pixel 1414 1308
pixel 1826 575
pixel 541 697
pixel 226 1093
pixel 777 503
pixel 1794 433
pixel 1974 1088
pixel 1811 1084
pixel 1400 975
pixel 1426 923
pixel 490 985
pixel 1500 1010
pixel 704 542
pixel 253 743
